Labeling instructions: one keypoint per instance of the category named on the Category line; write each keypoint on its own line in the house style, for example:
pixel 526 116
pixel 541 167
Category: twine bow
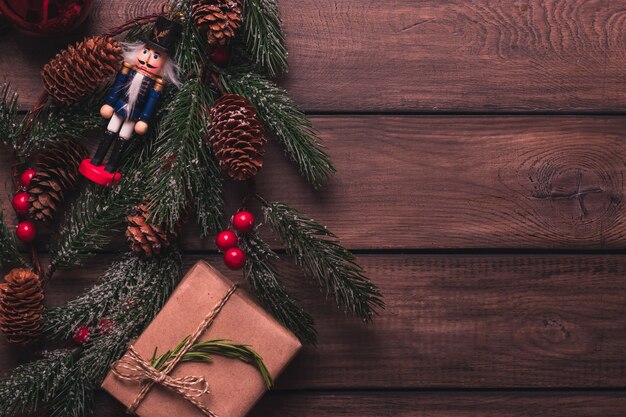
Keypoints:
pixel 132 367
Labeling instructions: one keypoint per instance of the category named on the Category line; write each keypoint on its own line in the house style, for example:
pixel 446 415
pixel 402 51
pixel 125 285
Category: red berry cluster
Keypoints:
pixel 25 230
pixel 83 333
pixel 226 241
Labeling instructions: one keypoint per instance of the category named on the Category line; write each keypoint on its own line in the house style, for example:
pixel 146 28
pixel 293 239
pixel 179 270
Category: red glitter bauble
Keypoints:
pixel 226 240
pixel 46 17
pixel 27 177
pixel 234 258
pixel 20 203
pixel 243 221
pixel 81 335
pixel 220 56
pixel 26 231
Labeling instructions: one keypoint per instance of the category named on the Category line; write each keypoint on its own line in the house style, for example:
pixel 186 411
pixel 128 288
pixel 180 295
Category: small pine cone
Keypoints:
pixel 237 137
pixel 57 173
pixel 219 19
pixel 78 70
pixel 145 237
pixel 21 306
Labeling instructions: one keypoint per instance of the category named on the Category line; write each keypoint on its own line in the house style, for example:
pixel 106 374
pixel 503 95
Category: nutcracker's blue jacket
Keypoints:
pixel 149 95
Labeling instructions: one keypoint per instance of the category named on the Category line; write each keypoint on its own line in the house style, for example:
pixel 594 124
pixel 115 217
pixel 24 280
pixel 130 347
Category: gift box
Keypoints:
pixel 204 298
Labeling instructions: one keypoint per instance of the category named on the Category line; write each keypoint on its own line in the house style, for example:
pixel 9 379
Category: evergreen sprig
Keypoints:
pixel 35 384
pixel 74 398
pixel 9 126
pixel 318 250
pixel 261 274
pixel 9 253
pixel 181 171
pixel 191 55
pixel 263 36
pixel 91 222
pixel 205 351
pixel 291 127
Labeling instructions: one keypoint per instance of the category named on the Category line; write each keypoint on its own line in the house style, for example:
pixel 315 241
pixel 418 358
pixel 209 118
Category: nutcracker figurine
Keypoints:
pixel 132 100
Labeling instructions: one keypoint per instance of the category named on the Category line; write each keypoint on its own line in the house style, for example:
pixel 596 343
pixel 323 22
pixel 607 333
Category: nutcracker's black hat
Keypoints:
pixel 164 35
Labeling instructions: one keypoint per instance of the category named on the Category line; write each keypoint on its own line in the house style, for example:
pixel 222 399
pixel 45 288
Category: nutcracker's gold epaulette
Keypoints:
pixel 159 84
pixel 126 68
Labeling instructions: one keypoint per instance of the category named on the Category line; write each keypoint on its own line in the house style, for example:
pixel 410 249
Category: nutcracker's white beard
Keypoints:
pixel 134 89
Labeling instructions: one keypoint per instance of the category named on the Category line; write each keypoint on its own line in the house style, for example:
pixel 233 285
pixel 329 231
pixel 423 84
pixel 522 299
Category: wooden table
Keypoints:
pixel 481 155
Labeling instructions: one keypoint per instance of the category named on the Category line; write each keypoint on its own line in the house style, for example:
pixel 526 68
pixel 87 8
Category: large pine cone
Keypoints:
pixel 145 237
pixel 237 137
pixel 21 306
pixel 57 173
pixel 78 70
pixel 219 19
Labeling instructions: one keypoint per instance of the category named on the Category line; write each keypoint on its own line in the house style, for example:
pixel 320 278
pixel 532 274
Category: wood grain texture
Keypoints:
pixel 458 182
pixel 439 404
pixel 430 55
pixel 454 321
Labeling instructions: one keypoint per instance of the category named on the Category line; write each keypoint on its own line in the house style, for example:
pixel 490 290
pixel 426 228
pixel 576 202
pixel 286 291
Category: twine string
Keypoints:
pixel 132 367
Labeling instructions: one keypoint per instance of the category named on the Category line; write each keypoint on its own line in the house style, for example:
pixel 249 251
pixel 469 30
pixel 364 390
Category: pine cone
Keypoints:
pixel 237 137
pixel 145 237
pixel 57 173
pixel 21 306
pixel 219 19
pixel 78 70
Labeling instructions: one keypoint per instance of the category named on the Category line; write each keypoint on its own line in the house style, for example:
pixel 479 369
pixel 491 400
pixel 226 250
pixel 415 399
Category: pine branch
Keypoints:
pixel 9 127
pixel 192 53
pixel 263 36
pixel 181 171
pixel 262 276
pixel 74 399
pixel 289 124
pixel 9 253
pixel 318 251
pixel 33 385
pixel 91 222
pixel 204 352
pixel 150 283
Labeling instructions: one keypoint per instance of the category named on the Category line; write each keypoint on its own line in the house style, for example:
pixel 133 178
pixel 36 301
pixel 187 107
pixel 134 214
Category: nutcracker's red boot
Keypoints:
pixel 97 174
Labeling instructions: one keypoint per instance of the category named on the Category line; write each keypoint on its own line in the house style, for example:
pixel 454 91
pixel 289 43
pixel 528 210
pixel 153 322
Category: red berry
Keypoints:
pixel 234 258
pixel 105 326
pixel 82 335
pixel 26 177
pixel 20 203
pixel 243 222
pixel 226 240
pixel 26 231
pixel 220 56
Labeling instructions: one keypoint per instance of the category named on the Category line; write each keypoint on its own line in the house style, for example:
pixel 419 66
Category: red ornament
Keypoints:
pixel 226 240
pixel 220 56
pixel 234 258
pixel 26 231
pixel 45 17
pixel 243 222
pixel 20 203
pixel 26 177
pixel 105 326
pixel 82 335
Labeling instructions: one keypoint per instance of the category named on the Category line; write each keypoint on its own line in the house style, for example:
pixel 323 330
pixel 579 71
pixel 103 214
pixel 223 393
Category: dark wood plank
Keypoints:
pixel 456 321
pixel 420 404
pixel 458 182
pixel 431 55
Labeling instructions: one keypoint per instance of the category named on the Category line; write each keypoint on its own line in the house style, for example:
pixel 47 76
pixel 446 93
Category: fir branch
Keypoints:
pixel 262 276
pixel 192 54
pixel 204 352
pixel 9 127
pixel 263 36
pixel 150 283
pixel 92 221
pixel 74 398
pixel 56 122
pixel 281 115
pixel 318 251
pixel 33 385
pixel 9 253
pixel 181 170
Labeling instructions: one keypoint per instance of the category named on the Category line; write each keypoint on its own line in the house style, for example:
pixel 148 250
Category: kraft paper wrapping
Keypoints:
pixel 235 386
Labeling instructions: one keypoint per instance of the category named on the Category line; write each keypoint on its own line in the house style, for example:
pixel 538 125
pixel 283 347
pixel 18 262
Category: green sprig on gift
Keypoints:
pixel 205 351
